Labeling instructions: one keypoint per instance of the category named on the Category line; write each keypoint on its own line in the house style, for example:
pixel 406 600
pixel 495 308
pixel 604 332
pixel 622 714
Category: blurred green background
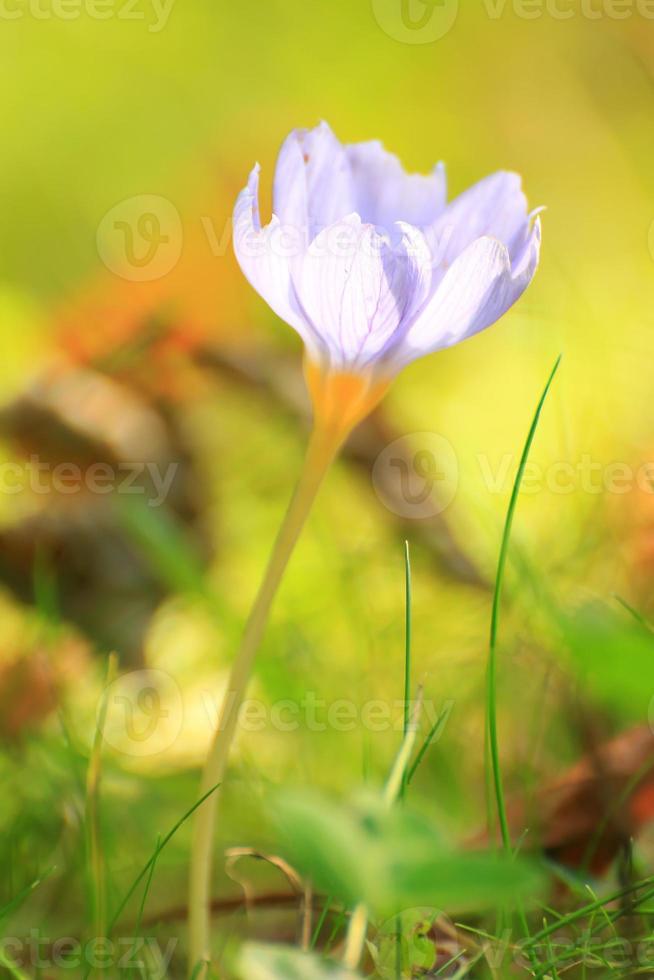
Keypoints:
pixel 97 111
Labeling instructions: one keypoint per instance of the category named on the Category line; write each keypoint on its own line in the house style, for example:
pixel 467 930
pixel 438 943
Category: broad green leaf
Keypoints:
pixel 327 842
pixel 393 859
pixel 459 881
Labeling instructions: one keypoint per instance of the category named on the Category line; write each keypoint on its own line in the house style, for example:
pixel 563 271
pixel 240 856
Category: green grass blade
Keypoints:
pixel 407 652
pixel 320 923
pixel 163 543
pixel 407 719
pixel 18 900
pixel 585 910
pixel 95 856
pixel 11 968
pixel 46 597
pixel 339 921
pixel 491 694
pixel 157 851
pixel 148 884
pixel 433 735
pixel 407 638
pixel 144 896
pixel 632 612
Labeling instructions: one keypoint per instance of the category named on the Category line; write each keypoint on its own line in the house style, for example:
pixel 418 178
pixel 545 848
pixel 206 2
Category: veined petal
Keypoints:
pixel 357 290
pixel 476 290
pixel 413 253
pixel 385 193
pixel 414 259
pixel 290 196
pixel 494 207
pixel 265 256
pixel 370 265
pixel 312 186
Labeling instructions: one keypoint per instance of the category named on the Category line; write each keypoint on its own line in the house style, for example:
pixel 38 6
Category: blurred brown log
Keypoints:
pixel 585 818
pixel 81 419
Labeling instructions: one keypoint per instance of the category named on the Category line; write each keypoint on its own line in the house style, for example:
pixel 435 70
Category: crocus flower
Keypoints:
pixel 373 267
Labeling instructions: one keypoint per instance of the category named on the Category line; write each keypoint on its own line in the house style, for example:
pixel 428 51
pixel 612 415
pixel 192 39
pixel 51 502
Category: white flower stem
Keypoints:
pixel 356 938
pixel 323 446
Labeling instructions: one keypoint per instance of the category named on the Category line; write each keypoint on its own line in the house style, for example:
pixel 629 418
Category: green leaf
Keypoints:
pixel 326 842
pixel 461 882
pixel 391 860
pixel 262 962
pixel 614 657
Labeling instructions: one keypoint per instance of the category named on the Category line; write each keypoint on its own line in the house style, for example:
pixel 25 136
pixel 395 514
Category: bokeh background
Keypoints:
pixel 161 112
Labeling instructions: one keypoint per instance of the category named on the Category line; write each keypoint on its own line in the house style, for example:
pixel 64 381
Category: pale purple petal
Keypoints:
pixel 312 186
pixel 290 196
pixel 385 193
pixel 476 290
pixel 412 252
pixel 494 207
pixel 357 290
pixel 265 256
pixel 369 264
